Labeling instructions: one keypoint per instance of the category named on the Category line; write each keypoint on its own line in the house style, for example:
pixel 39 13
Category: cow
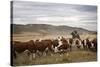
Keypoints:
pixel 94 41
pixel 19 47
pixel 44 46
pixel 55 43
pixel 62 45
pixel 84 44
pixel 70 41
pixel 78 43
pixel 87 44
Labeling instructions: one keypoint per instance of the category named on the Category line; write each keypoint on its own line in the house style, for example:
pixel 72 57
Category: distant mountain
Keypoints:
pixel 47 29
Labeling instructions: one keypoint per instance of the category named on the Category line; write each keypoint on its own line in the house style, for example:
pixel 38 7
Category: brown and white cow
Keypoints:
pixel 94 41
pixel 44 46
pixel 63 45
pixel 19 47
pixel 84 43
pixel 87 44
pixel 78 43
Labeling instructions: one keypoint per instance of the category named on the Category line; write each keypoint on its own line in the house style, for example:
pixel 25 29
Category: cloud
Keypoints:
pixel 58 19
pixel 55 14
pixel 87 8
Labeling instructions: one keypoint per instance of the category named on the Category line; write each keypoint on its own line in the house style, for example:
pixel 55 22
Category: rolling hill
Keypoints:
pixel 46 29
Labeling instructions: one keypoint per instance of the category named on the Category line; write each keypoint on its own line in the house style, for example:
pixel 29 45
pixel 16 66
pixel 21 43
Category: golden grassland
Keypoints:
pixel 32 36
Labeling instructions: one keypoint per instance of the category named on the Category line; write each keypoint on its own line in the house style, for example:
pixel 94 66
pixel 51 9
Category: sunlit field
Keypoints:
pixel 33 36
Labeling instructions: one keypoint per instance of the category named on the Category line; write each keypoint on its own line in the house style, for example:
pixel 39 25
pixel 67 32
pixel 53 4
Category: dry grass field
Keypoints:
pixel 79 55
pixel 26 36
pixel 68 57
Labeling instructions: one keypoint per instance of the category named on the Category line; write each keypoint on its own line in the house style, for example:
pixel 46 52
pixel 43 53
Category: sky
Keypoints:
pixel 82 16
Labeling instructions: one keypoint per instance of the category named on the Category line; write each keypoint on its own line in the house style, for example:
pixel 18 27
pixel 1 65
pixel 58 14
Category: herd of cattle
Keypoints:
pixel 52 45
